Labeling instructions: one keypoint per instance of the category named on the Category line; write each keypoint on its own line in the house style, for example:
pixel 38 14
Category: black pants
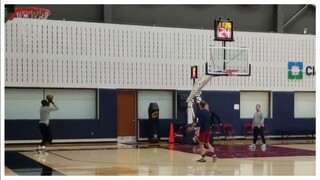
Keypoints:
pixel 258 131
pixel 46 134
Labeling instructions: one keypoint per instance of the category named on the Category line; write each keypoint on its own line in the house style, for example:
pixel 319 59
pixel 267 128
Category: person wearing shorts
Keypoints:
pixel 204 124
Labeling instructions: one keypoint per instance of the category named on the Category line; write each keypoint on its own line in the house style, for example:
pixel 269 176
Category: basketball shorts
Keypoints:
pixel 204 137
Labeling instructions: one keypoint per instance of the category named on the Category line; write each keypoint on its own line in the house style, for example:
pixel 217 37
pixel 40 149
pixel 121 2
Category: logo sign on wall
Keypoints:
pixel 296 71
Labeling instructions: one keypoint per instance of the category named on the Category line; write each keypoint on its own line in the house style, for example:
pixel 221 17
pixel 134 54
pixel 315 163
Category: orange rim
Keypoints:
pixel 30 13
pixel 231 72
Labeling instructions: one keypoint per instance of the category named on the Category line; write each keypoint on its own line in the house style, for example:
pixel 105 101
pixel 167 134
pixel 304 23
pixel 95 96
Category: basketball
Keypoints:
pixel 49 97
pixel 190 130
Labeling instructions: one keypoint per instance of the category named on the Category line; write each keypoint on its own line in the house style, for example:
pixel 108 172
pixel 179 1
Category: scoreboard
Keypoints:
pixel 223 30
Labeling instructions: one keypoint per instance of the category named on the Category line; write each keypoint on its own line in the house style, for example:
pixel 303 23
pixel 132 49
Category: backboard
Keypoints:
pixel 226 61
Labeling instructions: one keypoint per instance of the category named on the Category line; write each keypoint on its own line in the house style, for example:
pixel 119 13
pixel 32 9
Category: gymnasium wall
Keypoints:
pixel 92 55
pixel 107 57
pixel 105 125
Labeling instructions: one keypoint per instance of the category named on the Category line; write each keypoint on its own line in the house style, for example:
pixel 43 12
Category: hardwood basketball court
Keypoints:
pixel 160 159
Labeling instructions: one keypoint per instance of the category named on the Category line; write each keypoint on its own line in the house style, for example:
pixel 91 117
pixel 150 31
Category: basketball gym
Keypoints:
pixel 128 79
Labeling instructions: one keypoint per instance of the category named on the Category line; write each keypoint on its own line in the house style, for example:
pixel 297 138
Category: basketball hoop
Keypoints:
pixel 230 72
pixel 30 13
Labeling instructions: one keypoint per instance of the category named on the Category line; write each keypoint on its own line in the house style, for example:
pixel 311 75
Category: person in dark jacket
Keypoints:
pixel 214 118
pixel 204 124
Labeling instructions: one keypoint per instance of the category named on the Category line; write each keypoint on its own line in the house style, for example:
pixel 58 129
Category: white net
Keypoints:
pixel 32 13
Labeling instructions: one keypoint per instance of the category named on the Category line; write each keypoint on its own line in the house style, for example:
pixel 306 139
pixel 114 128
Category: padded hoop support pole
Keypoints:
pixel 199 84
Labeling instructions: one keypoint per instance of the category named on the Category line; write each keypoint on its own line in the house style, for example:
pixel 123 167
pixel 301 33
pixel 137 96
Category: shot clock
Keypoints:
pixel 223 30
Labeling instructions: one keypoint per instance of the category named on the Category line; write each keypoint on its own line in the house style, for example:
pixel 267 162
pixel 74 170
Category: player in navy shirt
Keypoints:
pixel 204 123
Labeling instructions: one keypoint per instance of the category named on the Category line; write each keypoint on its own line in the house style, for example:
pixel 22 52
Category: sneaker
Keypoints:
pixel 252 147
pixel 263 147
pixel 38 150
pixel 201 160
pixel 41 150
pixel 214 158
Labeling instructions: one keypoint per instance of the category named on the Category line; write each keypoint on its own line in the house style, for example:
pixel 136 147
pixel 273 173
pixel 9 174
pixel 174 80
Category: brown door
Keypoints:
pixel 126 113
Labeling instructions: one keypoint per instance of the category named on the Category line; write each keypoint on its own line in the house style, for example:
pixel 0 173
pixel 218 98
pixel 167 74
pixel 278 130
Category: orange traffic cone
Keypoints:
pixel 171 136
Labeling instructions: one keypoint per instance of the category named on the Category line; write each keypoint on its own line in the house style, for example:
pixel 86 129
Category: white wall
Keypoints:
pixel 81 55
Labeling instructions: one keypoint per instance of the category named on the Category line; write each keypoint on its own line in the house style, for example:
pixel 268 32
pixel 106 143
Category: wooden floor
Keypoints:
pixel 161 159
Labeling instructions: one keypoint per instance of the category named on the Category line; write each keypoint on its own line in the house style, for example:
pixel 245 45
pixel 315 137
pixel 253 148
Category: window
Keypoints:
pixel 164 99
pixel 73 104
pixel 23 103
pixel 304 105
pixel 249 100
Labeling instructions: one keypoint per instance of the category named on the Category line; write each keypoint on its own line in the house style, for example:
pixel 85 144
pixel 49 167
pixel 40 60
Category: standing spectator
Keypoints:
pixel 257 125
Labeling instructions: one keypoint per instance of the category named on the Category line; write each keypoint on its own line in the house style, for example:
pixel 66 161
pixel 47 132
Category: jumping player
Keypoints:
pixel 204 124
